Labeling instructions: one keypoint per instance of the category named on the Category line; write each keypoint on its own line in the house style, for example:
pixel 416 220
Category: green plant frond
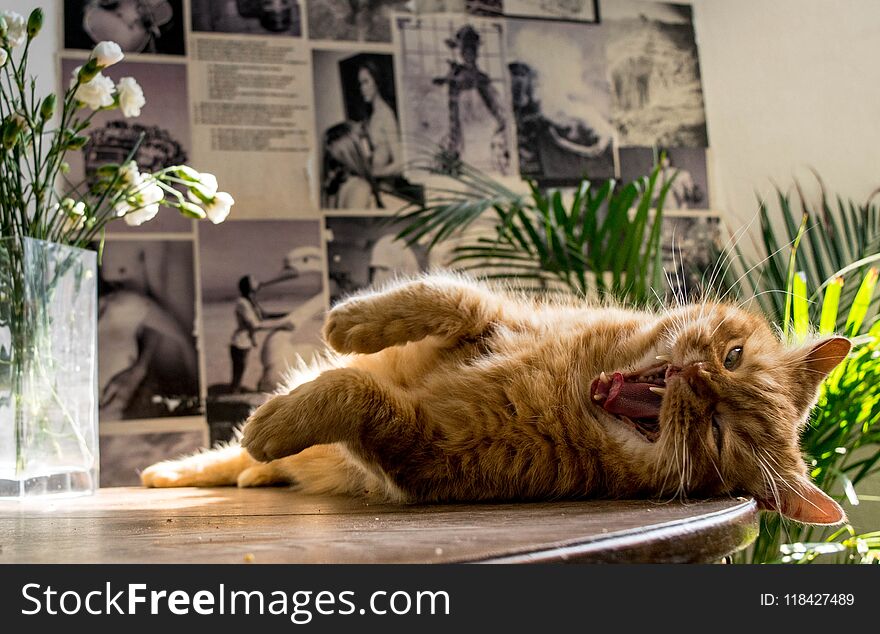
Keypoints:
pixel 800 306
pixel 861 303
pixel 830 306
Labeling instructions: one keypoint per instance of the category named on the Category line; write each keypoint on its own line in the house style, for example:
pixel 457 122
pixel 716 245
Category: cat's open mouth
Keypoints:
pixel 634 398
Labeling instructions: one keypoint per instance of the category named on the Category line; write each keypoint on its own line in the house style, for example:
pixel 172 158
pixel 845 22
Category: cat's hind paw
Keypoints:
pixel 261 475
pixel 217 467
pixel 166 474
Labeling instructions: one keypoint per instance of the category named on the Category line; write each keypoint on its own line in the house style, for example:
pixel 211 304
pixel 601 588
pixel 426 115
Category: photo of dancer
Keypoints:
pixel 262 308
pixel 361 151
pixel 456 100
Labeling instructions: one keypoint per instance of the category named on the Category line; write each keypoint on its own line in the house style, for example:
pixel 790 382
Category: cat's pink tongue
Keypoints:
pixel 627 398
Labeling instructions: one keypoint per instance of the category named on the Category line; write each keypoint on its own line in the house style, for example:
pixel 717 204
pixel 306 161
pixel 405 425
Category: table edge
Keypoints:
pixel 691 540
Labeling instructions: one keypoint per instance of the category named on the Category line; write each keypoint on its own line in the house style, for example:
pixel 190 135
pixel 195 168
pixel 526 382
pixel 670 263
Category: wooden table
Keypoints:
pixel 228 525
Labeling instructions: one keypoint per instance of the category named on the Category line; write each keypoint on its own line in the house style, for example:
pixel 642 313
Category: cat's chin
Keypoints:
pixel 633 399
pixel 640 431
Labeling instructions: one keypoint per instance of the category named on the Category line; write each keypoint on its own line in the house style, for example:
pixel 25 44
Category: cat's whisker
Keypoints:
pixel 712 460
pixel 728 252
pixel 760 263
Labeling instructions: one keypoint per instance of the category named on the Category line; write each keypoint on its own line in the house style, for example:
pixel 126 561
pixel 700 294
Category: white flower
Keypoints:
pixel 129 173
pixel 137 217
pixel 107 54
pixel 97 93
pixel 205 189
pixel 152 193
pixel 3 57
pixel 131 97
pixel 74 214
pixel 142 204
pixel 219 207
pixel 16 28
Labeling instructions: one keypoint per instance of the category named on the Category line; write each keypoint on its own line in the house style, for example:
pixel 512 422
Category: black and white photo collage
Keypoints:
pixel 323 118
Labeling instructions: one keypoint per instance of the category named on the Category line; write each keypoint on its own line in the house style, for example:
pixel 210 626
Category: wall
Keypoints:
pixel 789 84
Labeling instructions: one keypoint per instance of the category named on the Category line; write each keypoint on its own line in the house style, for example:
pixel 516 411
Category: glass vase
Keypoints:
pixel 48 369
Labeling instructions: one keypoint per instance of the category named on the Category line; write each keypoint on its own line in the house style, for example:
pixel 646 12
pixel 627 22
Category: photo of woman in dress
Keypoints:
pixel 362 157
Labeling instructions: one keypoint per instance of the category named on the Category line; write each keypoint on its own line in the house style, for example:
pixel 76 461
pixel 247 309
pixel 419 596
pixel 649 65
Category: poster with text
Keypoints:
pixel 252 121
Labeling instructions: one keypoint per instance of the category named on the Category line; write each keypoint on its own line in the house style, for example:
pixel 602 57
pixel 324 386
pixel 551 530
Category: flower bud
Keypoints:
pixel 11 130
pixel 106 54
pixel 88 71
pixel 35 23
pixel 4 26
pixel 47 108
pixel 191 210
pixel 77 142
pixel 187 173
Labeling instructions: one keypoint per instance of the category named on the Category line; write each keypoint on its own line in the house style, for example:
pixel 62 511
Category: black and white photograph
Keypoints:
pixel 562 112
pixel 690 187
pixel 420 7
pixel 353 20
pixel 492 8
pixel 250 17
pixel 164 122
pixel 569 10
pixel 147 361
pixel 455 93
pixel 359 139
pixel 138 26
pixel 124 456
pixel 364 250
pixel 655 74
pixel 690 245
pixel 262 308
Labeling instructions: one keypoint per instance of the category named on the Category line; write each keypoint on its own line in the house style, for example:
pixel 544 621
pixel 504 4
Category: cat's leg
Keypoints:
pixel 444 306
pixel 217 467
pixel 345 405
pixel 318 469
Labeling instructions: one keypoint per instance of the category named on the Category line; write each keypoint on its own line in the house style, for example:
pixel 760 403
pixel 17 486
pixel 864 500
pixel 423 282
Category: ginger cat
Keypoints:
pixel 444 389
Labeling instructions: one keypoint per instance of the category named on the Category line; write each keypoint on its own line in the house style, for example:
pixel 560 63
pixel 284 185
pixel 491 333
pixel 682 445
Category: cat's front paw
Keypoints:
pixel 349 328
pixel 282 426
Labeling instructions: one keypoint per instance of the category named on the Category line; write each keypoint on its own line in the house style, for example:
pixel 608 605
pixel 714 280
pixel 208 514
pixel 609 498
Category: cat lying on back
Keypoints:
pixel 444 389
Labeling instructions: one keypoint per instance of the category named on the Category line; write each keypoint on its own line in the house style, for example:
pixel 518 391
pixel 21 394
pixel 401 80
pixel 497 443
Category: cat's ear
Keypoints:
pixel 805 503
pixel 825 356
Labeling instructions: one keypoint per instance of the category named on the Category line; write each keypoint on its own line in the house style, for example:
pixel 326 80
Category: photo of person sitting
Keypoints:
pixel 362 156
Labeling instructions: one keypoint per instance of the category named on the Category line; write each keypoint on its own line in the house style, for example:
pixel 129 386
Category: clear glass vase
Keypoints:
pixel 48 369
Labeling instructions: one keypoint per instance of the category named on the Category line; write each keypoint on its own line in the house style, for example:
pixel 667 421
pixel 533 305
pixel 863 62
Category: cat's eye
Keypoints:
pixel 716 433
pixel 734 356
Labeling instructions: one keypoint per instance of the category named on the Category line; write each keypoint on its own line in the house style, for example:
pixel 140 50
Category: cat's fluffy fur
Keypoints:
pixel 444 389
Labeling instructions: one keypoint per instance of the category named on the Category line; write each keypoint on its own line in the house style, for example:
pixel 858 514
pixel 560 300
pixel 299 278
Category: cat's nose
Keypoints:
pixel 698 377
pixel 696 369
